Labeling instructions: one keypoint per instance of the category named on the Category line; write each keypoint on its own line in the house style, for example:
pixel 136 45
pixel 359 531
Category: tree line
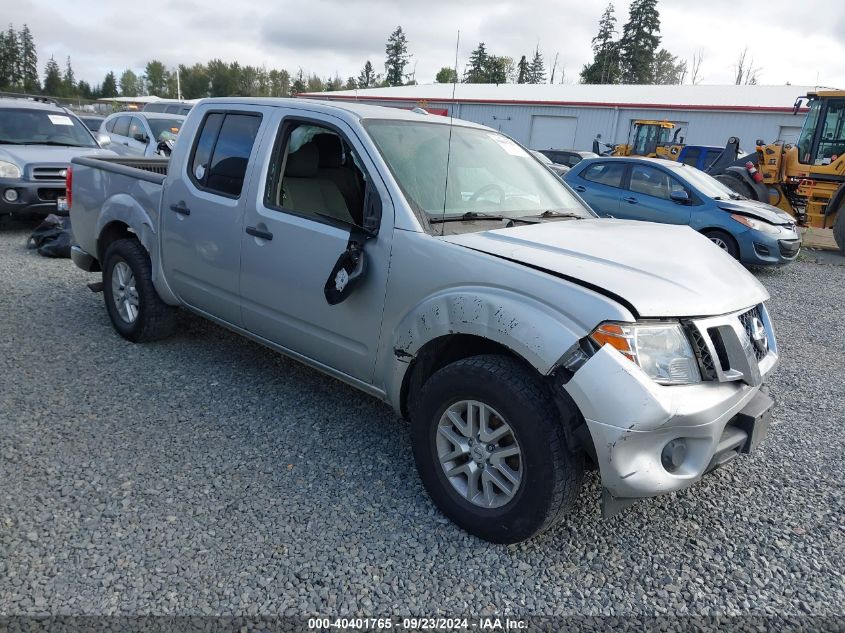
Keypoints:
pixel 632 57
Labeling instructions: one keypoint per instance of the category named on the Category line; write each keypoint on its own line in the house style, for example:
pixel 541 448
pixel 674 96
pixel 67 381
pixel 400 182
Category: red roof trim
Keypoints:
pixel 593 104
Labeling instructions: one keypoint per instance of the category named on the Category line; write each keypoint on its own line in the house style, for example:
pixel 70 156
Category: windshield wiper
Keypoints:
pixel 463 217
pixel 56 143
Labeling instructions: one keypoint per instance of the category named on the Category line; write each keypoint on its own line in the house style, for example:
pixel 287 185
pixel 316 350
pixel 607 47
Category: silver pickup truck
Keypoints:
pixel 439 266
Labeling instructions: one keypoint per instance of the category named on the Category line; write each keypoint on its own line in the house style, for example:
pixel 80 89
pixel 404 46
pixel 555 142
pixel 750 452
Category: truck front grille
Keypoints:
pixel 747 319
pixel 705 359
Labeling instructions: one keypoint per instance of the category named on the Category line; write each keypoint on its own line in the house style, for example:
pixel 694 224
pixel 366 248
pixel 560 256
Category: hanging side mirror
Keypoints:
pixel 350 268
pixel 372 211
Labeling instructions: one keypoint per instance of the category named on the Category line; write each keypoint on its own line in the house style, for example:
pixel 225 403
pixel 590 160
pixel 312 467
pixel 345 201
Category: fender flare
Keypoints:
pixel 125 209
pixel 532 330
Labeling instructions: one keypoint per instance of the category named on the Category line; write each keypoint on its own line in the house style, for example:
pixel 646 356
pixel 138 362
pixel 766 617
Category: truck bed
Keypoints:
pixel 116 189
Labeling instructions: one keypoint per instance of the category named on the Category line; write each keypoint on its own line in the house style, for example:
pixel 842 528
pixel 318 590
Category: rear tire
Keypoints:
pixel 548 477
pixel 725 241
pixel 839 228
pixel 135 309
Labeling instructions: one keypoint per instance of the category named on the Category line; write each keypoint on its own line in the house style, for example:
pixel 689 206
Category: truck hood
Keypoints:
pixel 27 155
pixel 756 209
pixel 659 270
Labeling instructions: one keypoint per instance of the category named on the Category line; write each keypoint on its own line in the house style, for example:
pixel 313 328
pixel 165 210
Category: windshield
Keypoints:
pixel 42 127
pixel 706 184
pixel 805 140
pixel 159 126
pixel 487 172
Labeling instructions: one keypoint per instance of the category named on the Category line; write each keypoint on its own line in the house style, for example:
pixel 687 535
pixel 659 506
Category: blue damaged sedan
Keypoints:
pixel 658 190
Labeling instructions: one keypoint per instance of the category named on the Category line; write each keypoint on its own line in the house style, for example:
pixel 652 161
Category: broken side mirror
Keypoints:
pixel 350 268
pixel 372 211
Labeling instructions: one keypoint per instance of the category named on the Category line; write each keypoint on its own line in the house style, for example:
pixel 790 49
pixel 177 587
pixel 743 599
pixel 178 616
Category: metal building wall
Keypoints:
pixel 705 127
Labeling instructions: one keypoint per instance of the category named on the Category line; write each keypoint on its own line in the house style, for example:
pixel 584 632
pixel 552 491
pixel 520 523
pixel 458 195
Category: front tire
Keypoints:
pixel 135 309
pixel 490 449
pixel 725 241
pixel 839 228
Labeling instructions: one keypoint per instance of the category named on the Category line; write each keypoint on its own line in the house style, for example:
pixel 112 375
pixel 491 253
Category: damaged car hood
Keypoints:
pixel 756 209
pixel 660 270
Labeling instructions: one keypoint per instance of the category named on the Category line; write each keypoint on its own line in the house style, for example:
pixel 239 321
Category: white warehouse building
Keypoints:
pixel 564 116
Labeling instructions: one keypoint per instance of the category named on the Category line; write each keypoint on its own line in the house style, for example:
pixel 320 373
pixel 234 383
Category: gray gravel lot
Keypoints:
pixel 208 475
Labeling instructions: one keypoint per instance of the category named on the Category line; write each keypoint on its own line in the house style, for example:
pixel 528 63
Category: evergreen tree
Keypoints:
pixel 28 61
pixel 12 60
pixel 68 80
pixel 155 78
pixel 367 77
pixel 537 70
pixel 107 89
pixel 83 88
pixel 476 71
pixel 523 71
pixel 52 78
pixel 397 57
pixel 446 75
pixel 129 84
pixel 220 79
pixel 194 80
pixel 298 83
pixel 640 39
pixel 351 83
pixel 279 83
pixel 604 68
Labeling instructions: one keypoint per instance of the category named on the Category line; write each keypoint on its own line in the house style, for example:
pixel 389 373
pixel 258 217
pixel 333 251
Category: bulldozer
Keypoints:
pixel 807 178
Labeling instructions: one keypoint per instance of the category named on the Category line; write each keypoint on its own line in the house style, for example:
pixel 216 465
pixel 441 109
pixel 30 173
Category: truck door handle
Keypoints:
pixel 256 232
pixel 180 208
pixel 631 200
pixel 580 188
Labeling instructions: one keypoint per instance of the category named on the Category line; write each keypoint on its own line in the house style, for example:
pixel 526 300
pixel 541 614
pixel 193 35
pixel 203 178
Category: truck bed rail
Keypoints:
pixel 150 169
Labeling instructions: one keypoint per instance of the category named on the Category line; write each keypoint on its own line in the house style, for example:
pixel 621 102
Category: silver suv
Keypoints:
pixel 37 142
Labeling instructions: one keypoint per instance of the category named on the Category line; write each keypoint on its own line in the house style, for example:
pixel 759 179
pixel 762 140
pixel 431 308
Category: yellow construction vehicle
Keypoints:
pixel 651 138
pixel 807 178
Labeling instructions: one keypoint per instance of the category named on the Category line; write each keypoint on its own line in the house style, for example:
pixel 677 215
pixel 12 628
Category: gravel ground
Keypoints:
pixel 208 475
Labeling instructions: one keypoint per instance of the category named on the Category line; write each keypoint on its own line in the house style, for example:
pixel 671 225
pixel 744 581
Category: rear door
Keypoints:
pixel 647 196
pixel 297 224
pixel 600 185
pixel 203 211
pixel 119 135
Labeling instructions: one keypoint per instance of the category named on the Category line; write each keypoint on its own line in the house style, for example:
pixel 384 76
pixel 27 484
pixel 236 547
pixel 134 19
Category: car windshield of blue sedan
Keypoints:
pixel 452 171
pixel 706 184
pixel 42 127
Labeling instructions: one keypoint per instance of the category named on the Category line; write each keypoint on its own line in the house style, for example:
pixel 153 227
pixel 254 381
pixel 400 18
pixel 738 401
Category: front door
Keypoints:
pixel 294 232
pixel 202 213
pixel 137 132
pixel 648 197
pixel 601 186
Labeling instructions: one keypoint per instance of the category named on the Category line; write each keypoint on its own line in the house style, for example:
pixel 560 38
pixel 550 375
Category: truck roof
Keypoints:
pixel 349 108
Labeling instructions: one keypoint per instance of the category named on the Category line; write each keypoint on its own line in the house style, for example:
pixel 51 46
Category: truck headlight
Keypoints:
pixel 9 170
pixel 662 350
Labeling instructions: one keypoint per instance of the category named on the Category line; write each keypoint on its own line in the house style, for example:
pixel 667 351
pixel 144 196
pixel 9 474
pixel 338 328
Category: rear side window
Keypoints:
pixel 110 125
pixel 121 126
pixel 609 174
pixel 222 151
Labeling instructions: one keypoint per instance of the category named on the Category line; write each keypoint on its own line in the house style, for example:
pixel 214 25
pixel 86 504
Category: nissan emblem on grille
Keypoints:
pixel 758 336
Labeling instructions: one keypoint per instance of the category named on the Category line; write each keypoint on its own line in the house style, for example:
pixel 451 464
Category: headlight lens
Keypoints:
pixel 9 170
pixel 662 350
pixel 757 225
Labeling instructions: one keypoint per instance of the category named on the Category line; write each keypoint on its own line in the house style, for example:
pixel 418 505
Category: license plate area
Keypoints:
pixel 61 204
pixel 755 419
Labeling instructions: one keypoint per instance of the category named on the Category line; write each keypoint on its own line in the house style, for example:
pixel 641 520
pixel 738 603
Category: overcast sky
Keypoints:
pixel 789 41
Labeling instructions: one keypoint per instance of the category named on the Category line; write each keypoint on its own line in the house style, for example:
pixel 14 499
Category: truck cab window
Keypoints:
pixel 222 151
pixel 316 173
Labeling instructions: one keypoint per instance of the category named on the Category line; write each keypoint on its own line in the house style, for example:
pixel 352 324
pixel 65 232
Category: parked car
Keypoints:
pixel 568 157
pixel 444 270
pixel 37 141
pixel 92 121
pixel 658 190
pixel 560 170
pixel 139 133
pixel 168 107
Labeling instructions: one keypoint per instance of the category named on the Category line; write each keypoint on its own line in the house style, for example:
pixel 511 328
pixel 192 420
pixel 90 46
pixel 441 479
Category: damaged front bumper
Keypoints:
pixel 651 439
